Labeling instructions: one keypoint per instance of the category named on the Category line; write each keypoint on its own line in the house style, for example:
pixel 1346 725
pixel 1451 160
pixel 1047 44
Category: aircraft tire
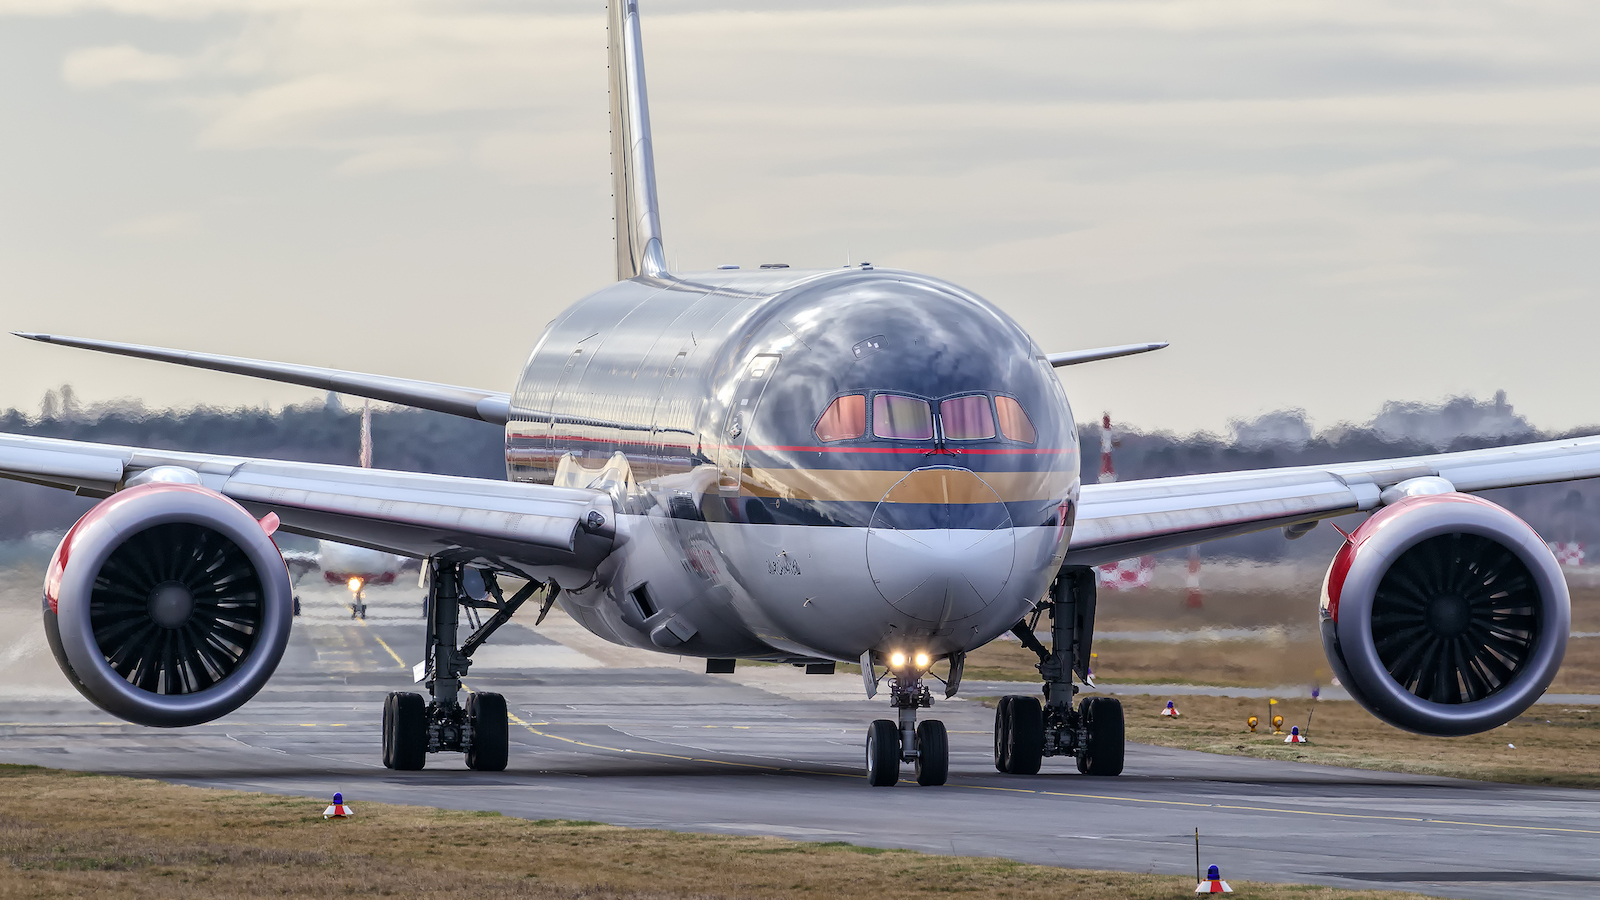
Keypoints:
pixel 1002 734
pixel 388 729
pixel 491 739
pixel 408 737
pixel 1026 747
pixel 933 753
pixel 1102 752
pixel 883 753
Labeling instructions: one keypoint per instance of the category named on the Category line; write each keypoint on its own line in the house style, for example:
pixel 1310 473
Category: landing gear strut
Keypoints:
pixel 413 728
pixel 890 742
pixel 1026 731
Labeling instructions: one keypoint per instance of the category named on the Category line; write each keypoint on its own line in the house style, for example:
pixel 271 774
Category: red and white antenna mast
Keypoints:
pixel 366 435
pixel 1108 472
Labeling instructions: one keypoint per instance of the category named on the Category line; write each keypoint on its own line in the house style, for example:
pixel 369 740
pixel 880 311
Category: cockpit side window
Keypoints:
pixel 966 418
pixel 901 418
pixel 1014 422
pixel 845 418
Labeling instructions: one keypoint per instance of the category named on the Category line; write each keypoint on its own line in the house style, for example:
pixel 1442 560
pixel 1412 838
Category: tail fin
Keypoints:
pixel 633 166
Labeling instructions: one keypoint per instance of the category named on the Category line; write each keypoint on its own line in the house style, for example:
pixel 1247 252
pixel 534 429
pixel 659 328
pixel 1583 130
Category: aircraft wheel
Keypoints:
pixel 1004 734
pixel 1025 749
pixel 491 739
pixel 405 731
pixel 388 730
pixel 883 753
pixel 1104 743
pixel 933 753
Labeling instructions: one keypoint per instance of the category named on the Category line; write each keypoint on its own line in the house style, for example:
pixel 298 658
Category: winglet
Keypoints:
pixel 1082 356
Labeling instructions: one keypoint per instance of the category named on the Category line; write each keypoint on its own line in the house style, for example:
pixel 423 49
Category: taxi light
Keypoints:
pixel 354 585
pixel 897 660
pixel 923 660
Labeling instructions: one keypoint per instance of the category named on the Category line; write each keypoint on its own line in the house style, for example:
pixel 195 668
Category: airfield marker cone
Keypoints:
pixel 338 810
pixel 1213 883
pixel 1295 737
pixel 1252 722
pixel 1171 710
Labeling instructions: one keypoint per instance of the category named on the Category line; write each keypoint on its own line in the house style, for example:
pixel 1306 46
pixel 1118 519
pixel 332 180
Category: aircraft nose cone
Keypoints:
pixel 940 546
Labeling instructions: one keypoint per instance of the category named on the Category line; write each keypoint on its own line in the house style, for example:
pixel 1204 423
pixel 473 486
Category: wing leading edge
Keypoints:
pixel 1129 518
pixel 507 525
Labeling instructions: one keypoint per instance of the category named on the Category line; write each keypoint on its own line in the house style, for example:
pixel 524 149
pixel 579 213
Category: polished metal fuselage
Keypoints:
pixel 693 399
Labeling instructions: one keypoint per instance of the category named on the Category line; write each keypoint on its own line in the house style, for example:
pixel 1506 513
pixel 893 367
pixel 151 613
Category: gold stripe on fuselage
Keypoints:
pixel 942 485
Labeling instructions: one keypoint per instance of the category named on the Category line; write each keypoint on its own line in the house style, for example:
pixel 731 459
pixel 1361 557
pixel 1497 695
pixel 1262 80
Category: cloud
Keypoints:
pixel 95 67
pixel 397 156
pixel 156 227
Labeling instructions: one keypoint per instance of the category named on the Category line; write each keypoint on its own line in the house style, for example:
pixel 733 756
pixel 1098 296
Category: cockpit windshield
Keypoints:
pixel 901 418
pixel 1014 422
pixel 845 418
pixel 897 417
pixel 966 418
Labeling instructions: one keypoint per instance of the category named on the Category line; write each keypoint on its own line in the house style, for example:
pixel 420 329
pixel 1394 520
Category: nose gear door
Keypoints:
pixel 741 417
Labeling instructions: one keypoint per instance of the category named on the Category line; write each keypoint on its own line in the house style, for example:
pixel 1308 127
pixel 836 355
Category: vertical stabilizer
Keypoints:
pixel 633 165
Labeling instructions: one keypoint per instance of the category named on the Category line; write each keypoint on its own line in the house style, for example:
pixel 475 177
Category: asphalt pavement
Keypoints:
pixel 635 739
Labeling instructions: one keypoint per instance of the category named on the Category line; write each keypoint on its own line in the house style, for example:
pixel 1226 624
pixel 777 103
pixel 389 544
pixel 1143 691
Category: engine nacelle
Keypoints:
pixel 1445 615
pixel 167 604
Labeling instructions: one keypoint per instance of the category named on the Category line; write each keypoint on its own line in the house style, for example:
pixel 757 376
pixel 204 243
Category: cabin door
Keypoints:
pixel 741 416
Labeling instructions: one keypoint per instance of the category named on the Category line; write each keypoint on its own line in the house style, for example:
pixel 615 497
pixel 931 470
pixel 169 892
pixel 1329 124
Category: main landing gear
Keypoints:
pixel 412 727
pixel 1026 731
pixel 890 743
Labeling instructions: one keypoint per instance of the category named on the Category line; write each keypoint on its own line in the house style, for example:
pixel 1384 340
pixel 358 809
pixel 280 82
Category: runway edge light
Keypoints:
pixel 338 810
pixel 1213 883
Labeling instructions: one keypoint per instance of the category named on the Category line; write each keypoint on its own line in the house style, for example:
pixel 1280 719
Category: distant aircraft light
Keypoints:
pixel 354 585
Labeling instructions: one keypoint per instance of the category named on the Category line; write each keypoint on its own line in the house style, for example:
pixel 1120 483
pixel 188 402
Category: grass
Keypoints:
pixel 1238 663
pixel 1554 745
pixel 69 835
pixel 1222 663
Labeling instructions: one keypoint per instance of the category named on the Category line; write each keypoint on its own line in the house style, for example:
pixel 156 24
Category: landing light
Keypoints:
pixel 354 585
pixel 923 660
pixel 896 660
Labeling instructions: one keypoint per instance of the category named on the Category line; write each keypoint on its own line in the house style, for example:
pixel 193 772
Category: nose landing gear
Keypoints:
pixel 1026 731
pixel 890 743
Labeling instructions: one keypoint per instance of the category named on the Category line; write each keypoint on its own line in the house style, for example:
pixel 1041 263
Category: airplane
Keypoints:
pixel 815 466
pixel 357 568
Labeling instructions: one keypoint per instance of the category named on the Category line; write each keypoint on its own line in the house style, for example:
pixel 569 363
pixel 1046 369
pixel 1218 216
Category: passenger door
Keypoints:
pixel 741 416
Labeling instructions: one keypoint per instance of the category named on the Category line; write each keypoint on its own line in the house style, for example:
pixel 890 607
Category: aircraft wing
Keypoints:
pixel 506 525
pixel 1130 518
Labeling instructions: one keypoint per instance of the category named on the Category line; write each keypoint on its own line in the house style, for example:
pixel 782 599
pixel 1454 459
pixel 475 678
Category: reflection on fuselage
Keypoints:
pixel 811 464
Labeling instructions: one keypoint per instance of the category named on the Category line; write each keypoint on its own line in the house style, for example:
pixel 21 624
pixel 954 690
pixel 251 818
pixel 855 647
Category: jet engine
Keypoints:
pixel 168 604
pixel 1445 614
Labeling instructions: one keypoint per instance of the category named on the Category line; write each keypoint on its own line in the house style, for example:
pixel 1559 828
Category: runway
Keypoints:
pixel 769 750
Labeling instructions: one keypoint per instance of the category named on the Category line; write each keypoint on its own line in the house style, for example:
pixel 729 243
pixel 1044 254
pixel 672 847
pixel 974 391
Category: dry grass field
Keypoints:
pixel 1554 745
pixel 68 835
pixel 1286 650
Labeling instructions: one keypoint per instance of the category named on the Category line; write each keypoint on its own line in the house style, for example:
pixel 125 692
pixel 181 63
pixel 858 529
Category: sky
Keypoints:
pixel 1322 205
